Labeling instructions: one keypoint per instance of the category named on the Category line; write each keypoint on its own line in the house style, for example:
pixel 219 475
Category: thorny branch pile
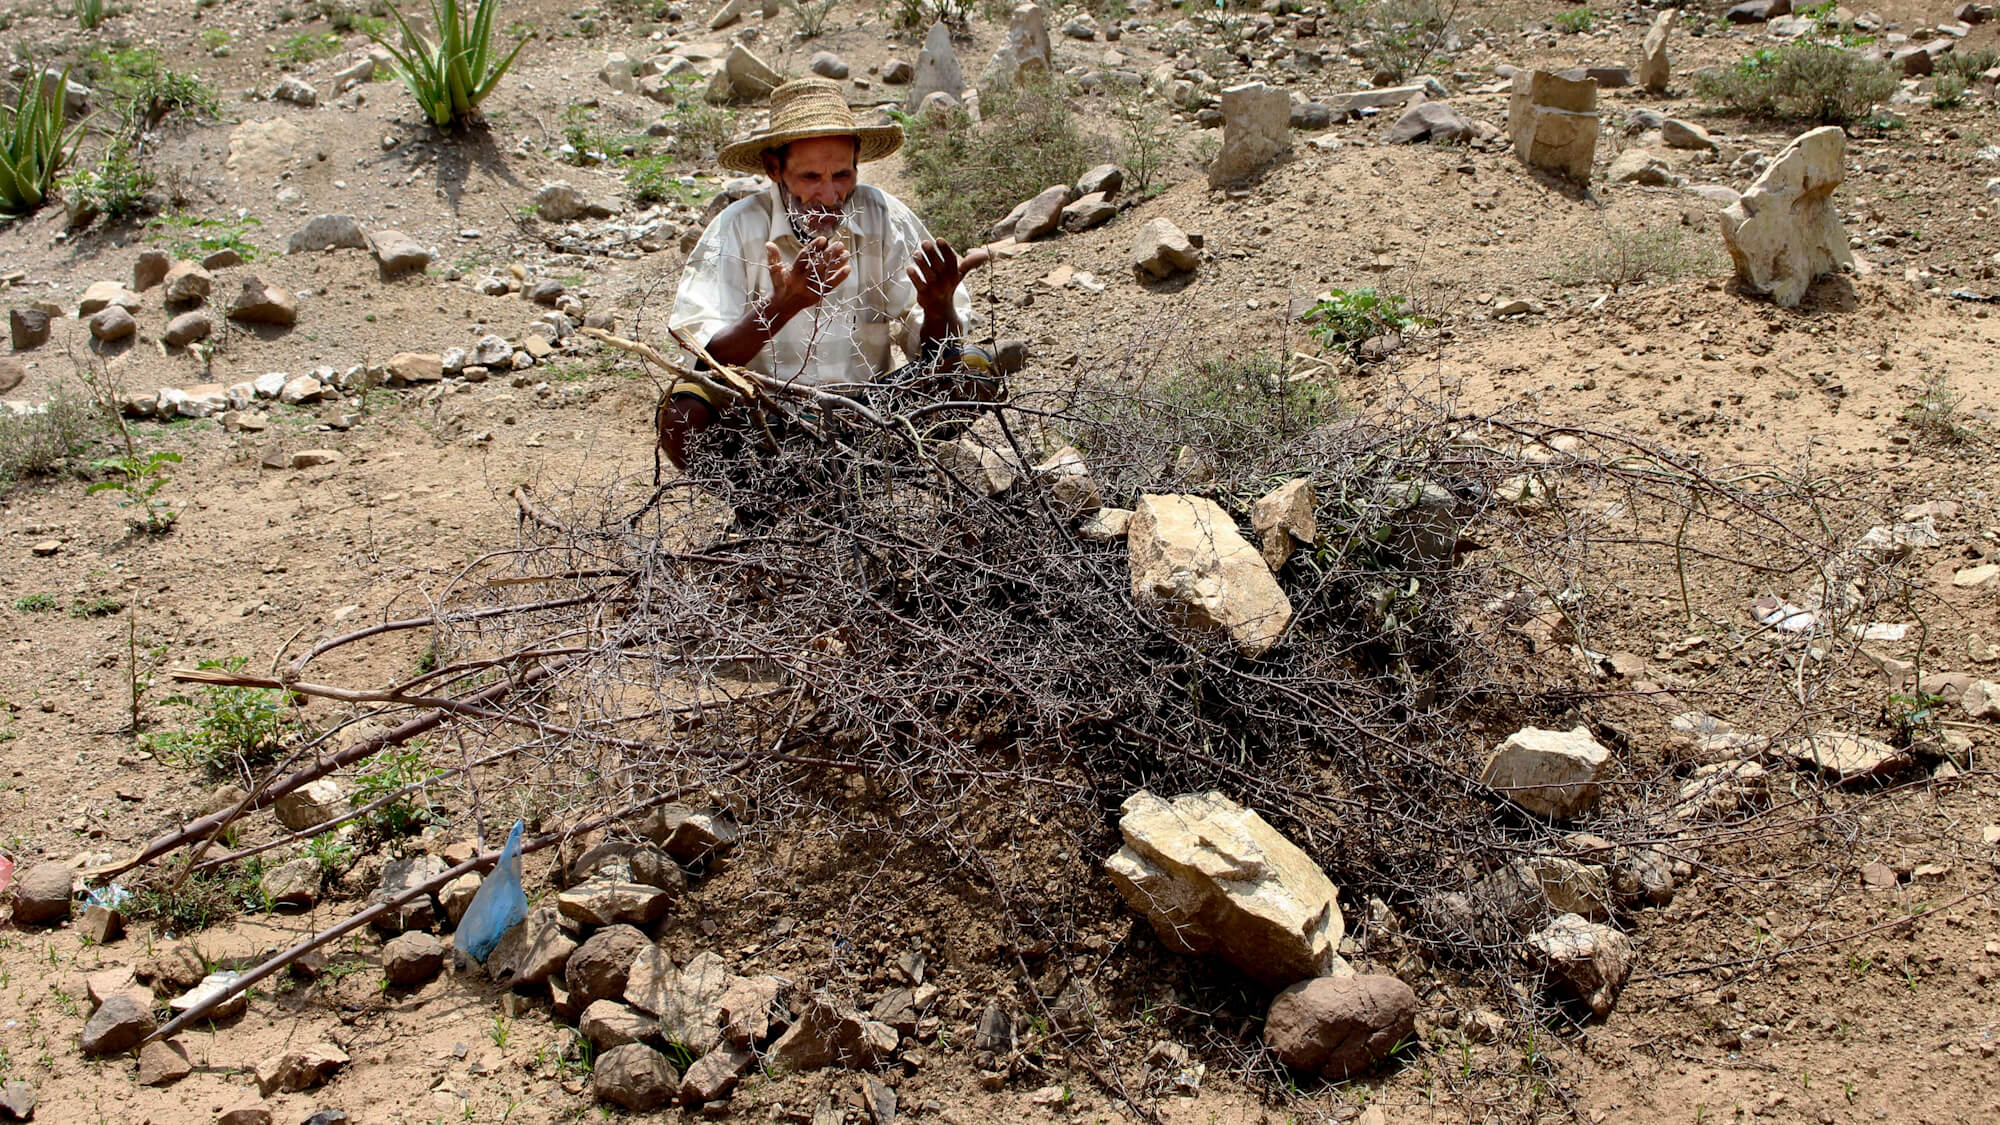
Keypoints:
pixel 988 675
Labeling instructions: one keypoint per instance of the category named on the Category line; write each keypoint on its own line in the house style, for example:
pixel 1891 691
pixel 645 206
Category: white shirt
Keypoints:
pixel 845 338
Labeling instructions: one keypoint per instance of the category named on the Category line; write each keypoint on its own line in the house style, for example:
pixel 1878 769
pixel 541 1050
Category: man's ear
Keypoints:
pixel 772 166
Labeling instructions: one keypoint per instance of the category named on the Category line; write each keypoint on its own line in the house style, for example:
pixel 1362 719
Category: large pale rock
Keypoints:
pixel 1553 773
pixel 607 1024
pixel 690 1008
pixel 1025 53
pixel 1784 232
pixel 1161 250
pixel 743 77
pixel 263 303
pixel 1553 122
pixel 1340 1026
pixel 1846 756
pixel 981 468
pixel 260 150
pixel 1043 213
pixel 397 252
pixel 328 232
pixel 1584 959
pixel 1256 129
pixel 1188 559
pixel 1282 517
pixel 1430 121
pixel 937 70
pixel 311 804
pixel 609 902
pixel 187 283
pixel 1213 877
pixel 411 959
pixel 715 1074
pixel 1653 64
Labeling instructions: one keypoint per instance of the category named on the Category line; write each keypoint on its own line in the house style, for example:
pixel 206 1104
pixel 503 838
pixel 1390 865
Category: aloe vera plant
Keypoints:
pixel 35 143
pixel 450 75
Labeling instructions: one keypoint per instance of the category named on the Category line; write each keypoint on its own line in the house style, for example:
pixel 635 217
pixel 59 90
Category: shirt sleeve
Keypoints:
pixel 907 234
pixel 712 296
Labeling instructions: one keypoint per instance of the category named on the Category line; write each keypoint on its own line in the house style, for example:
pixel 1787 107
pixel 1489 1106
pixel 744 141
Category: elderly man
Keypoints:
pixel 806 280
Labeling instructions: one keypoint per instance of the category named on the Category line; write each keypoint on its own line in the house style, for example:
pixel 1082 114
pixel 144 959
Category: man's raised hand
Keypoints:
pixel 820 268
pixel 937 270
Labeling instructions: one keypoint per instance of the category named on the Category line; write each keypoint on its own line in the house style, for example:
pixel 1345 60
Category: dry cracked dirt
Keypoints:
pixel 1830 957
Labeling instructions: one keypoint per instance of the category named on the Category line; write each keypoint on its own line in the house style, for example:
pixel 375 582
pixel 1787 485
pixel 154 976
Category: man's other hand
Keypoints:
pixel 936 272
pixel 820 268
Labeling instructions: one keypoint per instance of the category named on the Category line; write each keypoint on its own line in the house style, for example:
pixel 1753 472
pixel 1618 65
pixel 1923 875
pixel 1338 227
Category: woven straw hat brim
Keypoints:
pixel 747 155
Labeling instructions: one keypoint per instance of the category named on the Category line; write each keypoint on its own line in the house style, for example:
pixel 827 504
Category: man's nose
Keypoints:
pixel 823 194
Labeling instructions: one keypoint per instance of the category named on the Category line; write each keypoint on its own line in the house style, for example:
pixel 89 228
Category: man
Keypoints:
pixel 807 280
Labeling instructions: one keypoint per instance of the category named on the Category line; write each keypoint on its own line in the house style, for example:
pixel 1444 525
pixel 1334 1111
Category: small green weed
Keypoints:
pixel 1935 414
pixel 1576 21
pixel 89 13
pixel 35 603
pixel 140 479
pixel 203 898
pixel 115 189
pixel 810 16
pixel 1947 91
pixel 195 237
pixel 653 180
pixel 104 605
pixel 1624 256
pixel 215 38
pixel 307 46
pixel 392 770
pixel 1348 317
pixel 333 855
pixel 235 728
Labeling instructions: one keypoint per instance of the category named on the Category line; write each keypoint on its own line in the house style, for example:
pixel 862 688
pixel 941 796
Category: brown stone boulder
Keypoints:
pixel 1340 1026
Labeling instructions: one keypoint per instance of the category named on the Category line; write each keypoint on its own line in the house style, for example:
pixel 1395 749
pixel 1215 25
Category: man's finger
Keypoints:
pixel 774 261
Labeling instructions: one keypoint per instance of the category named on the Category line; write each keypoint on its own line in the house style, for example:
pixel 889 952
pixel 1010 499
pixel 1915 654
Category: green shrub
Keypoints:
pixel 234 728
pixel 653 179
pixel 308 46
pixel 202 899
pixel 1936 414
pixel 390 771
pixel 46 442
pixel 1947 91
pixel 451 75
pixel 1347 317
pixel 35 603
pixel 1969 65
pixel 1404 35
pixel 1148 141
pixel 1802 82
pixel 811 16
pixel 1576 21
pixel 699 129
pixel 968 177
pixel 195 237
pixel 115 189
pixel 89 13
pixel 36 144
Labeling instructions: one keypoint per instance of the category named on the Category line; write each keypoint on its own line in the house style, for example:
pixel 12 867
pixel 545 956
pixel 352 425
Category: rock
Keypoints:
pixel 558 202
pixel 101 925
pixel 117 1025
pixel 1758 11
pixel 300 390
pixel 1554 883
pixel 746 1009
pixel 937 69
pixel 826 64
pixel 294 883
pixel 163 1062
pixel 1042 214
pixel 1654 62
pixel 1081 28
pixel 619 73
pixel 244 1115
pixel 897 72
pixel 728 14
pixel 742 77
pixel 532 951
pixel 17 1101
pixel 212 985
pixel 1025 53
pixel 635 1077
pixel 1189 562
pixel 994 1033
pixel 264 149
pixel 1339 1027
pixel 1213 877
pixel 29 328
pixel 1981 700
pixel 607 1024
pixel 42 894
pixel 1606 77
pixel 311 804
pixel 313 458
pixel 12 375
pixel 1685 134
pixel 1584 959
pixel 984 470
pixel 1283 517
pixel 412 958
pixel 1974 577
pixel 1637 166
pixel 295 90
pixel 1105 180
pixel 688 835
pixel 150 269
pixel 607 902
pixel 1088 211
pixel 1848 757
pixel 1312 116
pixel 405 368
pixel 1553 123
pixel 826 1034
pixel 1160 250
pixel 456 896
pixel 1432 121
pixel 1550 773
pixel 187 283
pixel 715 1074
pixel 1784 232
pixel 100 295
pixel 354 74
pixel 1105 525
pixel 599 968
pixel 1072 490
pixel 112 323
pixel 1256 129
pixel 398 253
pixel 399 877
pixel 176 966
pixel 328 232
pixel 1914 61
pixel 222 259
pixel 263 303
pixel 492 351
pixel 689 1002
pixel 299 1070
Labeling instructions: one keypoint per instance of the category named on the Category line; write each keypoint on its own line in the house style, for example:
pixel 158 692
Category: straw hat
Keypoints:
pixel 809 107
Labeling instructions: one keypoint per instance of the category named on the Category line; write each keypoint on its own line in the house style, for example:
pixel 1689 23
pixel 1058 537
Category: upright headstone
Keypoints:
pixel 1653 61
pixel 937 69
pixel 1256 129
pixel 1784 232
pixel 1025 53
pixel 1553 121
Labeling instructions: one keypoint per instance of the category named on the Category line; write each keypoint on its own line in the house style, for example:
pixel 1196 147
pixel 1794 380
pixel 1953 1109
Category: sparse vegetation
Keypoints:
pixel 47 441
pixel 451 74
pixel 37 142
pixel 115 189
pixel 1346 318
pixel 197 236
pixel 810 16
pixel 390 771
pixel 1803 82
pixel 140 479
pixel 1149 141
pixel 234 728
pixel 1628 255
pixel 1576 21
pixel 1935 413
pixel 968 177
pixel 307 46
pixel 35 603
pixel 1404 35
pixel 202 899
pixel 89 13
pixel 1947 91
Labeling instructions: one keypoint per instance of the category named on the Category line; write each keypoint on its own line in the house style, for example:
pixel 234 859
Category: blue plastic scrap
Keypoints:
pixel 498 906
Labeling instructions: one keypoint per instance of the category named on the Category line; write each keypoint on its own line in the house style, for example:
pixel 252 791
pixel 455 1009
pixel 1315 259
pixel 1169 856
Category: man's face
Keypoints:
pixel 818 175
